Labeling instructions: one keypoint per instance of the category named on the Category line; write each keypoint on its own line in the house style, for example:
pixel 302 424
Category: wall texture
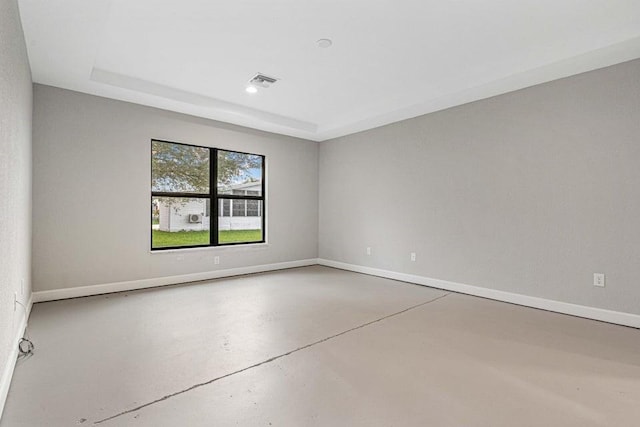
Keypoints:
pixel 530 192
pixel 15 182
pixel 91 189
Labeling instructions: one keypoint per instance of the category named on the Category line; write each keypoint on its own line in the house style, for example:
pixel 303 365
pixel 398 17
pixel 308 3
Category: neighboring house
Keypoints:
pixel 194 214
pixel 187 215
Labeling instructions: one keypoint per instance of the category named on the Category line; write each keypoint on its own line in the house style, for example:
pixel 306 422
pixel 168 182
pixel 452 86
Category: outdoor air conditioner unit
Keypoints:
pixel 195 218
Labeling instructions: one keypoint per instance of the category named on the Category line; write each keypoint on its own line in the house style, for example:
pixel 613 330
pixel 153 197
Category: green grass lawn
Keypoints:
pixel 163 239
pixel 232 236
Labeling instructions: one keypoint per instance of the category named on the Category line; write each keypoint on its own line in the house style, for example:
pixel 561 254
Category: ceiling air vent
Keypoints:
pixel 260 80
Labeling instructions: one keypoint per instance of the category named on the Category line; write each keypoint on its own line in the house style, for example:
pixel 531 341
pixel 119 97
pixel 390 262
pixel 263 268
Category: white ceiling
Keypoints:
pixel 390 59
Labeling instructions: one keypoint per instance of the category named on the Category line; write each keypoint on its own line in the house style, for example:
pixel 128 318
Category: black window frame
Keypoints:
pixel 213 197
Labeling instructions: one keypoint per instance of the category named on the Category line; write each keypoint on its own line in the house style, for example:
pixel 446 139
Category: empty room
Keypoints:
pixel 320 213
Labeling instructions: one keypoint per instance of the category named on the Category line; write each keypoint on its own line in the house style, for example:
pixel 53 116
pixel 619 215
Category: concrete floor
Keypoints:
pixel 316 346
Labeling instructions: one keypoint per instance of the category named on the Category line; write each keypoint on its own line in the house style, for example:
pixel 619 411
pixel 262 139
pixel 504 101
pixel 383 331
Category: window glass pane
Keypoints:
pixel 179 168
pixel 179 222
pixel 241 228
pixel 239 172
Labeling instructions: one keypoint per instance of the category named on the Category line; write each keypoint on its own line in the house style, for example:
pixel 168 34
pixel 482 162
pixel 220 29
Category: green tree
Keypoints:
pixel 234 168
pixel 185 168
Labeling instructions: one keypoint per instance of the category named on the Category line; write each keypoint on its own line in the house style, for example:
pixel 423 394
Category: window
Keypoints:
pixel 253 208
pixel 202 196
pixel 225 208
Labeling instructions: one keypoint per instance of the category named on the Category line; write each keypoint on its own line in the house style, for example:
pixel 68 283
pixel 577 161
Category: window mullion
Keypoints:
pixel 213 190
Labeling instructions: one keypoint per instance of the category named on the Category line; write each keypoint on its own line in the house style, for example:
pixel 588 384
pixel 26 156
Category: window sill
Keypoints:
pixel 231 248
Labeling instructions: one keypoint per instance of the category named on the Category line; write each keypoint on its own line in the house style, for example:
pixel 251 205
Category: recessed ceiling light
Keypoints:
pixel 251 89
pixel 324 43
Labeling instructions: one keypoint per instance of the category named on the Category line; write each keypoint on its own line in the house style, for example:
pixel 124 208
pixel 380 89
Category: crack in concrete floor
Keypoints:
pixel 280 356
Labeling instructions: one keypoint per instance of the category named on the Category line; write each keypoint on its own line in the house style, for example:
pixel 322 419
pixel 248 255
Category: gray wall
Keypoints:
pixel 91 191
pixel 15 176
pixel 529 192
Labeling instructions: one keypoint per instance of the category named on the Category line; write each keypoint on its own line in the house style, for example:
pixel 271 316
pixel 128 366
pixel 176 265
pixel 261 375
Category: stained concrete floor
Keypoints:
pixel 316 346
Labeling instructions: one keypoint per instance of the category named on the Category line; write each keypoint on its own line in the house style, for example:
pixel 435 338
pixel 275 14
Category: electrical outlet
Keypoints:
pixel 598 280
pixel 368 250
pixel 413 256
pixel 216 260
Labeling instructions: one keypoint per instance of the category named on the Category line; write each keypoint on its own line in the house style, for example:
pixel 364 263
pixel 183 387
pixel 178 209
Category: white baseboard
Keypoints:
pixel 106 288
pixel 610 316
pixel 9 367
pixel 619 318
